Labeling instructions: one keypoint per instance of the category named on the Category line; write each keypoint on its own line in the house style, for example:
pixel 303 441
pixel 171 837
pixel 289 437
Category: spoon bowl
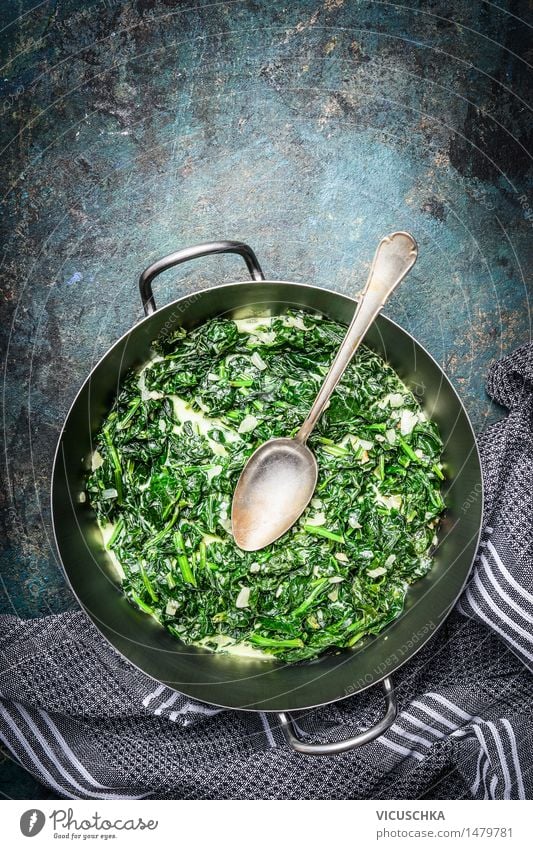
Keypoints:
pixel 274 489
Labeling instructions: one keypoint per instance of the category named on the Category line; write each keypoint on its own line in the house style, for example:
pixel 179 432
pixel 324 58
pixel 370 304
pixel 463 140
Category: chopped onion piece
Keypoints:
pixel 375 573
pixel 357 442
pixel 147 394
pixel 294 321
pixel 266 337
pixel 243 599
pixel 391 502
pixel 218 449
pixel 395 399
pixel 258 361
pixel 408 420
pixel 248 424
pixel 316 520
pixel 96 460
pixel 225 521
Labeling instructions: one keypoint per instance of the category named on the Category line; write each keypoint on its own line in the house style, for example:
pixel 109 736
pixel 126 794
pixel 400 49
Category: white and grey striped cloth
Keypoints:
pixel 89 725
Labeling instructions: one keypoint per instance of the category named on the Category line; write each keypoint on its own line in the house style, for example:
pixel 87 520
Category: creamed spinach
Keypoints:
pixel 171 450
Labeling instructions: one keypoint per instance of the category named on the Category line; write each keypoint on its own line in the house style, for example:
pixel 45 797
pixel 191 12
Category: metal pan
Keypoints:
pixel 245 683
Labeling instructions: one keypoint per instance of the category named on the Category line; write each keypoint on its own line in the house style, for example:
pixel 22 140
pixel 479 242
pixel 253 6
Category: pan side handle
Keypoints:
pixel 336 748
pixel 194 252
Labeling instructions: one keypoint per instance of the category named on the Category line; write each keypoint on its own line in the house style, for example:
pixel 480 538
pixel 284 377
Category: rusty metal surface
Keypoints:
pixel 307 129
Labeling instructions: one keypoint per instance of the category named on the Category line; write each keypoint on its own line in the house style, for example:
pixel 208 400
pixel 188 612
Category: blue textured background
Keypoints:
pixel 308 129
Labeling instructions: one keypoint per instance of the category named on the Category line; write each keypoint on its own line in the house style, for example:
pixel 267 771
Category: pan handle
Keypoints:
pixel 160 265
pixel 291 736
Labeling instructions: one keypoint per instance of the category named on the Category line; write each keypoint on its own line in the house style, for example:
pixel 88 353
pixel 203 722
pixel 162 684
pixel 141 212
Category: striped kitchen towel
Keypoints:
pixel 88 725
pixel 500 592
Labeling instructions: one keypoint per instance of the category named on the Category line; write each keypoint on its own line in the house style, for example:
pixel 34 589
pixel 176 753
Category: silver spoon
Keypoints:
pixel 278 481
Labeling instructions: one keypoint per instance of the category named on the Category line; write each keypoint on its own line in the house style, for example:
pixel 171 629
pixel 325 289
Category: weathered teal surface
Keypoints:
pixel 307 129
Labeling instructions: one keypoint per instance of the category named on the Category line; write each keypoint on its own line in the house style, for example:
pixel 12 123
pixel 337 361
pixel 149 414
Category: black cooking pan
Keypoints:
pixel 246 683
